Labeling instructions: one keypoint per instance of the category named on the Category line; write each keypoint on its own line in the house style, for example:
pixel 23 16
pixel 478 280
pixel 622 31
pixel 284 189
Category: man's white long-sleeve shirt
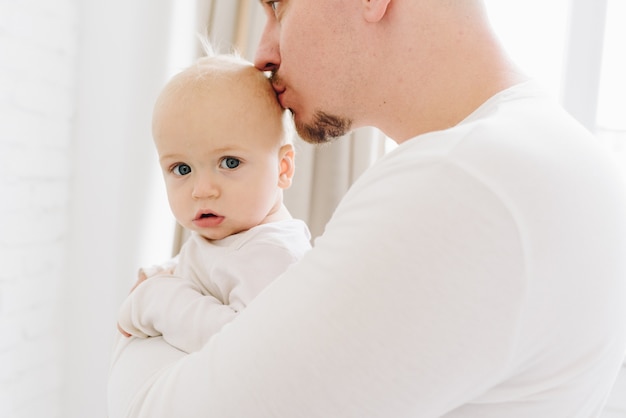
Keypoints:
pixel 473 272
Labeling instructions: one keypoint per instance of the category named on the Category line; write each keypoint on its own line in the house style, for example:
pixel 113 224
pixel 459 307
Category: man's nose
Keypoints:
pixel 267 56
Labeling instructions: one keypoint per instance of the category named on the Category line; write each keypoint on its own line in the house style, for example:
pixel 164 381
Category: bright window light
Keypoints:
pixel 534 34
pixel 612 98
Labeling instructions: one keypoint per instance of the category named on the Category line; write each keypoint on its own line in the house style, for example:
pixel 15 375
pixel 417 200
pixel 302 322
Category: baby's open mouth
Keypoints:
pixel 207 220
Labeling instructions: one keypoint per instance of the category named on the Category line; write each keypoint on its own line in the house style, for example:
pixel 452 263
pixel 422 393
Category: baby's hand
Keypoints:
pixel 121 330
pixel 145 273
pixel 165 268
pixel 141 277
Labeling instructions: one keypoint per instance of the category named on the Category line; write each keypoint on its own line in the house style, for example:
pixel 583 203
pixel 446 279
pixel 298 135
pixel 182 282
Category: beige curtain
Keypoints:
pixel 323 173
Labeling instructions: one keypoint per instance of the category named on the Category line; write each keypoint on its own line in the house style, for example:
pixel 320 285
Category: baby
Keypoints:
pixel 225 152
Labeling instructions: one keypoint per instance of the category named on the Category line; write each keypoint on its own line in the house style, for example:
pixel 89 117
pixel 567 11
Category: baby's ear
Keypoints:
pixel 287 166
pixel 374 10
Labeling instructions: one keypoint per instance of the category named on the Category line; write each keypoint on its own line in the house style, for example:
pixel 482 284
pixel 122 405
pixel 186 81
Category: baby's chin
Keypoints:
pixel 216 235
pixel 213 236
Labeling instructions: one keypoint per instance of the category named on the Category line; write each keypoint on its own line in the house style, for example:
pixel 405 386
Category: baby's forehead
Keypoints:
pixel 216 83
pixel 221 88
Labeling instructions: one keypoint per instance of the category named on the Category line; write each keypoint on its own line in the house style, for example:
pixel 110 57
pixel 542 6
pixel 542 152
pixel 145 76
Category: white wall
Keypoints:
pixel 37 70
pixel 123 54
pixel 77 84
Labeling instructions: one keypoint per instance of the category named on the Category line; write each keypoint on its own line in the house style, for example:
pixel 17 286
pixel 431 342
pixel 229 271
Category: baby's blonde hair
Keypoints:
pixel 227 67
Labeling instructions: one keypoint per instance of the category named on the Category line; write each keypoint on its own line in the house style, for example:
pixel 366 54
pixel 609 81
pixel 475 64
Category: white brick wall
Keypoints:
pixel 37 62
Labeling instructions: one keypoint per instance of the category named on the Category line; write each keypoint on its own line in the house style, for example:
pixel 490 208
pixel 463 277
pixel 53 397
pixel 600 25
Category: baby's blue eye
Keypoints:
pixel 229 163
pixel 181 169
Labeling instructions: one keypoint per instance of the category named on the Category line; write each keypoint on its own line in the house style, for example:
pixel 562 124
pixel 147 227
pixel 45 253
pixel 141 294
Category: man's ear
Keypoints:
pixel 287 166
pixel 374 10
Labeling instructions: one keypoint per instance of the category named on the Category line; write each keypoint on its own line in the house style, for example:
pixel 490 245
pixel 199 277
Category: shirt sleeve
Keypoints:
pixel 407 306
pixel 177 308
pixel 127 317
pixel 244 272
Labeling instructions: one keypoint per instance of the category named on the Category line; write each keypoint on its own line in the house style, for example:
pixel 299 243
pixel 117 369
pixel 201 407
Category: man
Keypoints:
pixel 475 271
pixel 404 67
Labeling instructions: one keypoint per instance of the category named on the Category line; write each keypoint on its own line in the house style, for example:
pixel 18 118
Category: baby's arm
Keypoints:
pixel 176 308
pixel 245 273
pixel 143 274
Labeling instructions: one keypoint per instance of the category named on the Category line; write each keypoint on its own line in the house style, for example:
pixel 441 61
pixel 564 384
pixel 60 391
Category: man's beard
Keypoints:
pixel 323 129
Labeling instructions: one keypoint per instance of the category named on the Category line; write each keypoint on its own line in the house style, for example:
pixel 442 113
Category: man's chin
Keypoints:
pixel 323 129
